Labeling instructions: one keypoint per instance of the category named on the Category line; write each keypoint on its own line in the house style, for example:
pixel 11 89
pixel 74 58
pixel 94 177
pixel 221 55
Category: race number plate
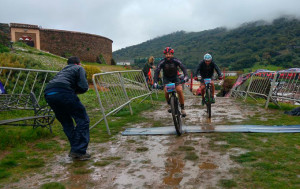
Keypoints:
pixel 170 87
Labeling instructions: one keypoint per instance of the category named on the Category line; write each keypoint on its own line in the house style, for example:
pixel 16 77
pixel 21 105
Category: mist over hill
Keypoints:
pixel 256 43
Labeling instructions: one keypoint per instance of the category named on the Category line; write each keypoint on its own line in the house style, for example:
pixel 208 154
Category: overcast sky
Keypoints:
pixel 130 22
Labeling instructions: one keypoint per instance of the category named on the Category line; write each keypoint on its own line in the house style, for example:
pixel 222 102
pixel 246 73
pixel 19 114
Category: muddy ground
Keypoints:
pixel 152 161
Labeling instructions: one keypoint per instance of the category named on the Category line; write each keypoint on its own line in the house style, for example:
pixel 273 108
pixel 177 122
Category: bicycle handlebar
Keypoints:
pixel 199 78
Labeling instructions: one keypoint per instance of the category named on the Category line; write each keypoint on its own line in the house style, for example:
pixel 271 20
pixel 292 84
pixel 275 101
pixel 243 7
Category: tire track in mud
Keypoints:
pixel 152 161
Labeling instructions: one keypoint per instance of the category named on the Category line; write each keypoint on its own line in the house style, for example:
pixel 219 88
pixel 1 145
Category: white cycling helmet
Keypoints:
pixel 207 57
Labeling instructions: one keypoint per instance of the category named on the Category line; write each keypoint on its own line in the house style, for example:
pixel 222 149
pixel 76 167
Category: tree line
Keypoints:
pixel 257 43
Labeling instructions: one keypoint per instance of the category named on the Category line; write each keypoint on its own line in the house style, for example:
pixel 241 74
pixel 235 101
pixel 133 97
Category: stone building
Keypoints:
pixel 87 47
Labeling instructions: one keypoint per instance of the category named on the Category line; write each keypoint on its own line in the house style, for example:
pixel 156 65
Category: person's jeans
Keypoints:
pixel 67 106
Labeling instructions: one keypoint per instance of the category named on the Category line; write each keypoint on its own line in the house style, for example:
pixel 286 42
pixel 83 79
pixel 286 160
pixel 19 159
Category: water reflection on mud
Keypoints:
pixel 174 169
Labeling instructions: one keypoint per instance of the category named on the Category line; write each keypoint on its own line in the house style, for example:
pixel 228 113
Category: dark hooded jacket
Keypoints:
pixel 71 78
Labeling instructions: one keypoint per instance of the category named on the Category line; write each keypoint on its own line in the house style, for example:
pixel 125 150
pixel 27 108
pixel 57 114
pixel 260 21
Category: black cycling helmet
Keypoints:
pixel 168 50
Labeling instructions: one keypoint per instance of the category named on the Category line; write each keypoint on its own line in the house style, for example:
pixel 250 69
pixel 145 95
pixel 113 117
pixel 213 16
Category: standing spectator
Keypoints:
pixel 61 94
pixel 149 65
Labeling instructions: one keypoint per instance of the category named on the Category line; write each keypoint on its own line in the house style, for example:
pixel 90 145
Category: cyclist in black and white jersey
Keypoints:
pixel 206 69
pixel 170 67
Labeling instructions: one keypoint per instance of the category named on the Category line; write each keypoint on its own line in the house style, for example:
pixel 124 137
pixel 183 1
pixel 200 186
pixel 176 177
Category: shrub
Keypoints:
pixel 100 59
pixel 90 70
pixel 113 62
pixel 12 60
pixel 4 38
pixel 67 54
pixel 227 85
pixel 3 49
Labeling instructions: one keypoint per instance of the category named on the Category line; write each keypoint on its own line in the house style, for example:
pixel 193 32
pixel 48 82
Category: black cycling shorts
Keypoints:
pixel 175 80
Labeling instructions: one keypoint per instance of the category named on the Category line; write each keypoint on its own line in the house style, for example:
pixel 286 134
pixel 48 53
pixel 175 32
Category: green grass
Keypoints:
pixel 82 171
pixel 275 115
pixel 102 163
pixel 142 149
pixel 261 103
pixel 34 163
pixel 106 161
pixel 270 160
pixel 191 156
pixel 106 67
pixel 11 137
pixel 53 185
pixel 262 66
pixel 112 158
pixel 4 173
pixel 48 145
pixel 225 183
pixel 8 163
pixel 186 148
pixel 131 141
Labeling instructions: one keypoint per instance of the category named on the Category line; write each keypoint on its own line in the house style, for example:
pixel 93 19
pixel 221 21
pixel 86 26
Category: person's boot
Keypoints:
pixel 79 157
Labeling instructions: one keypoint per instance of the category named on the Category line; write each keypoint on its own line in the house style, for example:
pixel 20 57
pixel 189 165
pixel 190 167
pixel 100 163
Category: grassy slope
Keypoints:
pixel 50 61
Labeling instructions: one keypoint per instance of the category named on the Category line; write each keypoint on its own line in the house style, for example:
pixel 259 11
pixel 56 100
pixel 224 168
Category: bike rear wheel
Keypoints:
pixel 176 115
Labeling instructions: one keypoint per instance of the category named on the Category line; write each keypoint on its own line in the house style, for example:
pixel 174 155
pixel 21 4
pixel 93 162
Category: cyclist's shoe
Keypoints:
pixel 183 113
pixel 213 100
pixel 203 102
pixel 169 110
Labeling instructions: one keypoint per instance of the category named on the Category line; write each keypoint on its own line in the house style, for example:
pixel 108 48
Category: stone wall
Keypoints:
pixel 86 46
pixel 64 43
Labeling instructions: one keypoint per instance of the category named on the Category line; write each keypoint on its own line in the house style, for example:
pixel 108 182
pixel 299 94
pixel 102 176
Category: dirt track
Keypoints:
pixel 152 161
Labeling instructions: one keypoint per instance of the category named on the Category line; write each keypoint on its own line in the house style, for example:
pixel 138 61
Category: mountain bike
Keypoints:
pixel 175 108
pixel 208 94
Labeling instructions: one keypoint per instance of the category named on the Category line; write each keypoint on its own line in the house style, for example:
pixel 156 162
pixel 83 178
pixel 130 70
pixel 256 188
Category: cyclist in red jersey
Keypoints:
pixel 170 66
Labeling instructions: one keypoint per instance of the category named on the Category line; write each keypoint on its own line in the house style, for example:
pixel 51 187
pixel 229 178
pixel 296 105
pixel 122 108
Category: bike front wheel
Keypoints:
pixel 176 115
pixel 208 103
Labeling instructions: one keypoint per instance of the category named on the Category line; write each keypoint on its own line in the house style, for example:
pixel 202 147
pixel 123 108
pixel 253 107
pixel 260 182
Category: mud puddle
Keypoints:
pixel 150 161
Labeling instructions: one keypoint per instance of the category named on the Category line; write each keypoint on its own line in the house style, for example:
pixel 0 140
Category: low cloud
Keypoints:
pixel 134 21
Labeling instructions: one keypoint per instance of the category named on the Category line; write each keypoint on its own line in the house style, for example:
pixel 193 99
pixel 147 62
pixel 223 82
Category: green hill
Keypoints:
pixel 24 56
pixel 259 44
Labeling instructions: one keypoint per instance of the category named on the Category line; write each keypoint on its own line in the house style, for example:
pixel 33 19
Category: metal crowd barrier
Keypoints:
pixel 115 90
pixel 21 87
pixel 281 86
pixel 18 83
